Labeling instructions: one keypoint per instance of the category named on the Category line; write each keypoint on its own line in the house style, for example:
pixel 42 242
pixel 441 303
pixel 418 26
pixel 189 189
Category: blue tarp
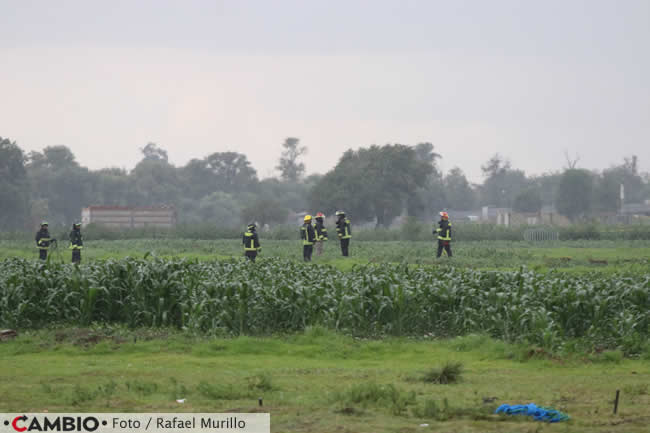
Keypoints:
pixel 538 413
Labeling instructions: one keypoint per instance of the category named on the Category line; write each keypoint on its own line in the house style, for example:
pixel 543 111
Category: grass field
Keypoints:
pixel 566 255
pixel 318 381
pixel 314 379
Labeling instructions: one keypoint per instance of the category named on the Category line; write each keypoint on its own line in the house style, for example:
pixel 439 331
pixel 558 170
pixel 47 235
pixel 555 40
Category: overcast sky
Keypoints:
pixel 527 79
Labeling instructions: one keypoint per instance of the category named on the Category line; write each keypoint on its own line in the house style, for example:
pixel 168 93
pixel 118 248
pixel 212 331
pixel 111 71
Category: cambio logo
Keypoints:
pixel 60 423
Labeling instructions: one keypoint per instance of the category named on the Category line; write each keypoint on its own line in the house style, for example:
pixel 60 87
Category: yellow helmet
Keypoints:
pixel 307 217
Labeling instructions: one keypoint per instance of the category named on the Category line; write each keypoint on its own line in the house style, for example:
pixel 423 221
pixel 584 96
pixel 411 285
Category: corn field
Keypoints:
pixel 276 295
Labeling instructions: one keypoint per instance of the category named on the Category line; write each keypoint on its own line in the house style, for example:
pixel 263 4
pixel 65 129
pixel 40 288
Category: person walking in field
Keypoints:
pixel 321 233
pixel 76 243
pixel 251 242
pixel 43 241
pixel 444 234
pixel 343 231
pixel 308 236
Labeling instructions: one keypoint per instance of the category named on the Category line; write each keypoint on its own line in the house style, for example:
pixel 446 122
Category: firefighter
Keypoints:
pixel 321 233
pixel 43 241
pixel 308 236
pixel 444 234
pixel 343 231
pixel 251 242
pixel 76 243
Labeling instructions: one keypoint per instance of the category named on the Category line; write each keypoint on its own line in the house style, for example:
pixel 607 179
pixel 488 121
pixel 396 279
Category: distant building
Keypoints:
pixel 129 217
pixel 636 208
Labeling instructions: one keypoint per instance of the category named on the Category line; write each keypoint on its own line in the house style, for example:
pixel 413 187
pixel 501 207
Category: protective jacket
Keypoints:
pixel 444 231
pixel 76 240
pixel 343 230
pixel 251 241
pixel 321 231
pixel 43 239
pixel 307 234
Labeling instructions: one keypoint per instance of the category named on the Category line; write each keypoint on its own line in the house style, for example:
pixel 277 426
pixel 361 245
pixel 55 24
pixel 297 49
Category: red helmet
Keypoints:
pixel 320 215
pixel 444 215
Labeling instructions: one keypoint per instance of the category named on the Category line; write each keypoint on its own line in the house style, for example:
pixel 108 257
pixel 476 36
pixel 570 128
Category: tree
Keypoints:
pixel 502 183
pixel 290 195
pixel 459 194
pixel 154 182
pixel 198 179
pixel 14 186
pixel 430 195
pixel 529 200
pixel 547 184
pixel 53 158
pixel 290 169
pixel 372 183
pixel 152 152
pixel 63 185
pixel 110 187
pixel 574 193
pixel 220 209
pixel 265 211
pixel 232 172
pixel 424 152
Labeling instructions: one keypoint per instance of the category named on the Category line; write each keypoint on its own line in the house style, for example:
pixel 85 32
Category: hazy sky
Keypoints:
pixel 527 79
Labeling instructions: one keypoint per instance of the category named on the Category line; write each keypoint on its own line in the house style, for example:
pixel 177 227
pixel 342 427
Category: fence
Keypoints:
pixel 537 235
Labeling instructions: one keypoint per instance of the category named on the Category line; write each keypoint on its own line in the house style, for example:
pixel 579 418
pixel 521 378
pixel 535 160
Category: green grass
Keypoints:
pixel 319 381
pixel 573 256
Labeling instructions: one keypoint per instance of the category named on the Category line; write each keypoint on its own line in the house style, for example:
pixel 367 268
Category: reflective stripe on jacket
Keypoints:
pixel 343 229
pixel 307 234
pixel 251 241
pixel 76 240
pixel 444 231
pixel 321 231
pixel 43 239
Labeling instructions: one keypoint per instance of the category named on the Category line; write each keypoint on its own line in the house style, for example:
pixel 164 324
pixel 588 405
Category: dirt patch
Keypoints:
pixel 8 334
pixel 85 337
pixel 597 262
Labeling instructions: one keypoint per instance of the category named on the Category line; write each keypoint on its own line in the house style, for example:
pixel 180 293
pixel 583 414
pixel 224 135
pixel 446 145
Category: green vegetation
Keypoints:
pixel 319 381
pixel 234 297
pixel 364 344
pixel 576 256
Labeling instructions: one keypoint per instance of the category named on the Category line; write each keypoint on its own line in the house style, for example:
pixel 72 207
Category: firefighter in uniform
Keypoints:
pixel 308 236
pixel 444 234
pixel 343 231
pixel 76 242
pixel 251 242
pixel 43 241
pixel 321 233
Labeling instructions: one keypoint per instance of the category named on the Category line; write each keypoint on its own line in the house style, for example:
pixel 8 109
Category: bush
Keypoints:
pixel 451 372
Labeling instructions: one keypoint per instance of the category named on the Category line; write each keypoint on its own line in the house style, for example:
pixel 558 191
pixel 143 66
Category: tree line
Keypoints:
pixel 375 183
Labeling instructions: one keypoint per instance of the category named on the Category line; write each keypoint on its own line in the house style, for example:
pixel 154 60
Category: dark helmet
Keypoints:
pixel 76 225
pixel 251 226
pixel 44 224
